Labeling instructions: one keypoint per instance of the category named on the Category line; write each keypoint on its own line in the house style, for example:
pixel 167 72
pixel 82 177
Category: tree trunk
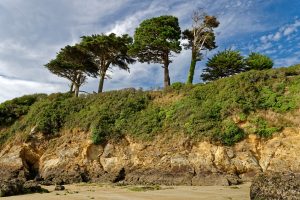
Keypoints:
pixel 71 87
pixel 76 90
pixel 101 83
pixel 192 68
pixel 166 75
pixel 166 70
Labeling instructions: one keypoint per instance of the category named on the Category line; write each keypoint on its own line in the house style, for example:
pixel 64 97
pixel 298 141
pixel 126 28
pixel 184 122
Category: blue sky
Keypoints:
pixel 32 31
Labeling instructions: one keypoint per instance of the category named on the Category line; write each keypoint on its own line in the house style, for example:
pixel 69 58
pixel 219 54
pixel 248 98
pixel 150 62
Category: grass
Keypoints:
pixel 203 111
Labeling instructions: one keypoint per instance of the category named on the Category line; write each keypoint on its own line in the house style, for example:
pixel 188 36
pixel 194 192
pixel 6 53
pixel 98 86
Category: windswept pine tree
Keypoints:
pixel 74 64
pixel 155 40
pixel 108 51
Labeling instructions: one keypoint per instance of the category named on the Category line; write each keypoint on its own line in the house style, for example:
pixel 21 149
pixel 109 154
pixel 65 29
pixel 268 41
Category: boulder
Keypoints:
pixel 59 187
pixel 18 186
pixel 12 187
pixel 275 185
pixel 32 187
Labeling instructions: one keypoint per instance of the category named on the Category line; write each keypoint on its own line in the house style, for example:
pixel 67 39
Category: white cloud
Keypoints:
pixel 11 88
pixel 285 30
pixel 289 29
pixel 277 36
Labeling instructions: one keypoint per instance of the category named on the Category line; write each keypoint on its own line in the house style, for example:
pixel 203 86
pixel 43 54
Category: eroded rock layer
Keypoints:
pixel 171 160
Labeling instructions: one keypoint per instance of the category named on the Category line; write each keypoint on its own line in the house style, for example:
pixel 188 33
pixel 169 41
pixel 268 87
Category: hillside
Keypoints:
pixel 230 127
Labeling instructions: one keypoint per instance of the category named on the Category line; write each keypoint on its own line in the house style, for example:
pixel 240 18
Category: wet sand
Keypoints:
pixel 110 192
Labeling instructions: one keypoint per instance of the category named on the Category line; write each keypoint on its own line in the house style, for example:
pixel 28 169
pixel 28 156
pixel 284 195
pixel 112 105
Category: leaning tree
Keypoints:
pixel 74 64
pixel 155 40
pixel 108 51
pixel 200 37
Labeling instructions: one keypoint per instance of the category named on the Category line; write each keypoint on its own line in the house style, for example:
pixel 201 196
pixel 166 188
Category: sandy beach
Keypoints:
pixel 111 192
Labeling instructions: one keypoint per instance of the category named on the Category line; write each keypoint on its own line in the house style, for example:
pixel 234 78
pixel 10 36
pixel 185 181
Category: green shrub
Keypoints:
pixel 49 115
pixel 258 61
pixel 277 101
pixel 231 133
pixel 262 127
pixel 146 123
pixel 103 129
pixel 177 85
pixel 202 111
pixel 13 109
pixel 242 117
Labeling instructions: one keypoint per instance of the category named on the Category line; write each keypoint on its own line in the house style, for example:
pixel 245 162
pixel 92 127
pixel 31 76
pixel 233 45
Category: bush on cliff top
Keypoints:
pixel 202 111
pixel 13 109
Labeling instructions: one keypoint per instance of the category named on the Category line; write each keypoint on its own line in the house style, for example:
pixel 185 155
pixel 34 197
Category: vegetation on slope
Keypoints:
pixel 223 111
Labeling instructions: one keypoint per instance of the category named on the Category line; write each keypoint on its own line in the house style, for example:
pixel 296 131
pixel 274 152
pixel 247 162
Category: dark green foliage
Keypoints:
pixel 108 51
pixel 147 123
pixel 223 64
pixel 258 61
pixel 155 39
pixel 229 62
pixel 156 36
pixel 49 115
pixel 104 128
pixel 74 64
pixel 12 110
pixel 230 133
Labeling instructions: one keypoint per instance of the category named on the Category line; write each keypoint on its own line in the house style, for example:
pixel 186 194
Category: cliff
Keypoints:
pixel 222 132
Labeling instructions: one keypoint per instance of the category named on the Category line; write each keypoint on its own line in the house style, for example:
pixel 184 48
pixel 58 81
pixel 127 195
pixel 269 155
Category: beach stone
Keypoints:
pixel 59 187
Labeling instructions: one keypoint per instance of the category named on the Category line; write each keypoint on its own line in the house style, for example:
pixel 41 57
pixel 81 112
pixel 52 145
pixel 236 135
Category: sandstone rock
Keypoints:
pixel 272 186
pixel 172 160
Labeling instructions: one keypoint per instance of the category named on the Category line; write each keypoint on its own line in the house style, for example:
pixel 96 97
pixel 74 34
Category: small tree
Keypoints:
pixel 73 64
pixel 258 61
pixel 223 64
pixel 200 38
pixel 155 40
pixel 107 51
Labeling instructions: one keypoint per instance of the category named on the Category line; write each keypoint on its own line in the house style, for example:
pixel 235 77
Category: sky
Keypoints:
pixel 33 31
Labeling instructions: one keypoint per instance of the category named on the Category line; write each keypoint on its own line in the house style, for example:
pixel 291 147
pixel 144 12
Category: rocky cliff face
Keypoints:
pixel 72 157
